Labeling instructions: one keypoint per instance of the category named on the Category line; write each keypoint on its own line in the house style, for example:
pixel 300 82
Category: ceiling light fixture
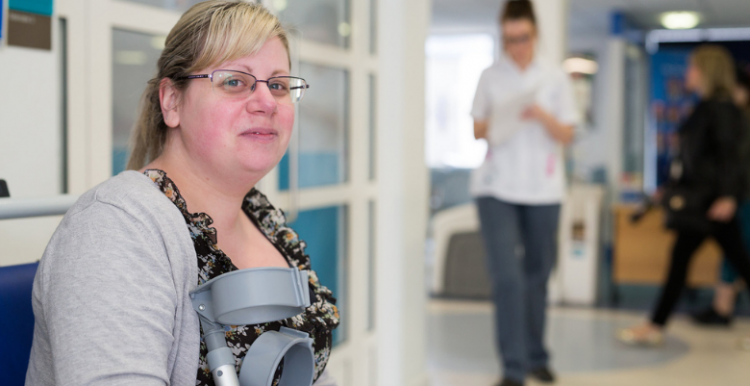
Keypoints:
pixel 680 20
pixel 578 65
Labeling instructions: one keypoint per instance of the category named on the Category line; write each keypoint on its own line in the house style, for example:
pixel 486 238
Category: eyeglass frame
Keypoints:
pixel 252 88
pixel 518 40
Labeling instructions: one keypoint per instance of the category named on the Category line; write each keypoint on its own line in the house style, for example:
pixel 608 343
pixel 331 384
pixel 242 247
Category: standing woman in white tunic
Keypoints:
pixel 524 108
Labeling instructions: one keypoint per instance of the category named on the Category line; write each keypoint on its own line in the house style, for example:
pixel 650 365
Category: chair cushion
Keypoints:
pixel 16 321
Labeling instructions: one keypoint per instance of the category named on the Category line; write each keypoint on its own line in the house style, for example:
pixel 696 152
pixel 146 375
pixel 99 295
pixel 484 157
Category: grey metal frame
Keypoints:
pixel 15 208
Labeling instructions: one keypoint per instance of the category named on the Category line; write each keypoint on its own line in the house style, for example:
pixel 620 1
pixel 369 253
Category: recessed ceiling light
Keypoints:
pixel 680 20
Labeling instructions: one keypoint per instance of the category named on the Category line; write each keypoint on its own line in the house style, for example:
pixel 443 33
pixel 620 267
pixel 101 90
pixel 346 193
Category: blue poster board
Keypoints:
pixel 670 104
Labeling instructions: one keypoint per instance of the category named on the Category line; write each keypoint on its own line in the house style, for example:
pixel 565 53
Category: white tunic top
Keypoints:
pixel 527 166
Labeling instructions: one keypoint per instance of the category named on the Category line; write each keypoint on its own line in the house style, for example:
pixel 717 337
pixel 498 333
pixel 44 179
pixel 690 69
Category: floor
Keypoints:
pixel 461 349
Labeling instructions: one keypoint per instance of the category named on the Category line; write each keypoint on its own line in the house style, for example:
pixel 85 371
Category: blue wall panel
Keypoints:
pixel 324 231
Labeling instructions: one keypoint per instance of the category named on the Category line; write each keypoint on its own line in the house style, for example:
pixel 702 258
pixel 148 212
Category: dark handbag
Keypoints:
pixel 687 207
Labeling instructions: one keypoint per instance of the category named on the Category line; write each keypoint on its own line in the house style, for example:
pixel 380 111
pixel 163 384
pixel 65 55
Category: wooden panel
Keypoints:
pixel 642 252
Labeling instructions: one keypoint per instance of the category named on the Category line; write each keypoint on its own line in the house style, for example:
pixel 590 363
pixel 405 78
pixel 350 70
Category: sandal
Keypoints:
pixel 641 336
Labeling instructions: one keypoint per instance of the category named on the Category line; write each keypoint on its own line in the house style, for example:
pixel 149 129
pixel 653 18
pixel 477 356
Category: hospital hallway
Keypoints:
pixel 420 161
pixel 584 349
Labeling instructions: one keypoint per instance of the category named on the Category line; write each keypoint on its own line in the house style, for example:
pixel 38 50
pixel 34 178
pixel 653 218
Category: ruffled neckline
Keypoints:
pixel 269 220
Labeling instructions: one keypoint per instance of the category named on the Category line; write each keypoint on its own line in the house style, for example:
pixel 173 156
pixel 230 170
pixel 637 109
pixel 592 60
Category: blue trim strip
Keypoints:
pixel 39 7
pixel 2 20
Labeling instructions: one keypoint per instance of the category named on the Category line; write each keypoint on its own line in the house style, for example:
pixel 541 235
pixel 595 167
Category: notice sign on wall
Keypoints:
pixel 29 30
pixel 30 23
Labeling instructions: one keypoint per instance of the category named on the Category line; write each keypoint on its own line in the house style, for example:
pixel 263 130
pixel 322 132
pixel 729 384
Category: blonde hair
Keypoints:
pixel 716 66
pixel 209 33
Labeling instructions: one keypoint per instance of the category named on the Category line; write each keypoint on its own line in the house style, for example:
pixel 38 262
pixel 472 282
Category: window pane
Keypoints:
pixel 174 5
pixel 373 27
pixel 323 118
pixel 324 231
pixel 133 65
pixel 449 138
pixel 373 139
pixel 322 21
pixel 371 309
pixel 63 104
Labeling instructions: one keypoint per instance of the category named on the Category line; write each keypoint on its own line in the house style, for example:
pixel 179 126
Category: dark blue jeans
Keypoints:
pixel 519 280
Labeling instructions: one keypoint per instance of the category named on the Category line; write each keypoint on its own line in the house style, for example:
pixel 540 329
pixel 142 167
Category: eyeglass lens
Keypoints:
pixel 519 39
pixel 236 84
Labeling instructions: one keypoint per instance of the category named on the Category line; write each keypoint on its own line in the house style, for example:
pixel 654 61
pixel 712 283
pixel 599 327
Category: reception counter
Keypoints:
pixel 642 251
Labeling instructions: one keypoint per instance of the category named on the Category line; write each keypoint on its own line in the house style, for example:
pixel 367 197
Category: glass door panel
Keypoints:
pixel 134 57
pixel 321 21
pixel 371 300
pixel 372 125
pixel 323 129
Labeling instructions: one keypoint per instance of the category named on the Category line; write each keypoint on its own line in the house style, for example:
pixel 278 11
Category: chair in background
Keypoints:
pixel 459 265
pixel 459 262
pixel 16 322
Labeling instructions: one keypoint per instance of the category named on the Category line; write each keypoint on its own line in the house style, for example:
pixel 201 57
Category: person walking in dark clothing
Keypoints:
pixel 706 184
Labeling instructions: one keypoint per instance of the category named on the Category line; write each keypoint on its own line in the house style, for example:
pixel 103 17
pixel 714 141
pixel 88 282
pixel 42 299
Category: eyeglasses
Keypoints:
pixel 238 84
pixel 517 40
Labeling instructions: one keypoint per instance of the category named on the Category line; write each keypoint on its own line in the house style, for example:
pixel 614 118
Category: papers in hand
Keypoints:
pixel 507 117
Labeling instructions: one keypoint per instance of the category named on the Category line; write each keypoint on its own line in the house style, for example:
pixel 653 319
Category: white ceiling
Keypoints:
pixel 592 16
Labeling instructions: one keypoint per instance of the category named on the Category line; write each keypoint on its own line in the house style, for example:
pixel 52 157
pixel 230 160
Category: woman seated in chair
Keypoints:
pixel 111 297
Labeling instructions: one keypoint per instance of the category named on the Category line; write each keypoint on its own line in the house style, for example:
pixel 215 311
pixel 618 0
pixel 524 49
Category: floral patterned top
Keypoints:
pixel 318 320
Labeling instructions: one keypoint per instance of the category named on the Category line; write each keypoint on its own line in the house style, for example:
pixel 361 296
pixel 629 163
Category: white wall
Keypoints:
pixel 614 108
pixel 602 145
pixel 30 143
pixel 552 18
pixel 590 150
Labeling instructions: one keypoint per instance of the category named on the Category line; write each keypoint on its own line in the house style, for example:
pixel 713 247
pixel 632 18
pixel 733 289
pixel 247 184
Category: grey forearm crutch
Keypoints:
pixel 254 296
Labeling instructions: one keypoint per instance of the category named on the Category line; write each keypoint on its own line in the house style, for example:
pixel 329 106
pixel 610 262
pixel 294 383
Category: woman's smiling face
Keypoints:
pixel 236 135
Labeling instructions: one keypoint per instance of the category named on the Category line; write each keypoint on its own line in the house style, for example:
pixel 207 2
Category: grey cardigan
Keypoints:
pixel 110 298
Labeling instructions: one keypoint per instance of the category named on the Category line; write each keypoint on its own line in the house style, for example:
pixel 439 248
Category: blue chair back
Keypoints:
pixel 16 322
